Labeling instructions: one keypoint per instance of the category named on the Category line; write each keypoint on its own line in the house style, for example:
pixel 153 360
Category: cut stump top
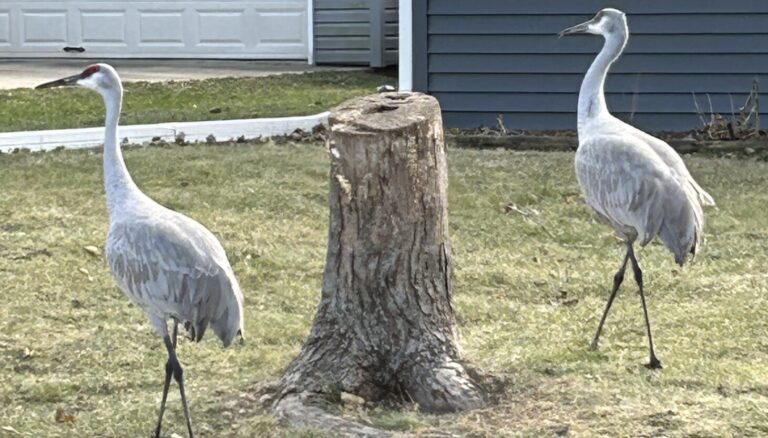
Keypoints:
pixel 383 112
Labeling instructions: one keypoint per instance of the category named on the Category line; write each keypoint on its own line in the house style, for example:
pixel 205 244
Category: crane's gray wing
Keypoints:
pixel 176 267
pixel 672 159
pixel 627 183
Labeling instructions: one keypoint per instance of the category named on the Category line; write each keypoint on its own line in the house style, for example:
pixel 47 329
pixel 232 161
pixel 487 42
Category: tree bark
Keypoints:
pixel 385 324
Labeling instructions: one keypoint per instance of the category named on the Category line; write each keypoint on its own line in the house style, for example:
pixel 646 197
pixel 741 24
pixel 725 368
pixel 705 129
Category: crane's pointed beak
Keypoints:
pixel 579 28
pixel 64 82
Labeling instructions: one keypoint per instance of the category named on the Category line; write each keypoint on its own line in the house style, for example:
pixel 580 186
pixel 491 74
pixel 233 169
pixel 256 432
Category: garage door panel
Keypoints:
pixel 103 27
pixel 161 27
pixel 5 27
pixel 44 27
pixel 222 28
pixel 280 27
pixel 164 28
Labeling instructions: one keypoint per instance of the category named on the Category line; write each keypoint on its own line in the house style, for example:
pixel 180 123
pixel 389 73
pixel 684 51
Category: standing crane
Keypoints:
pixel 634 182
pixel 166 263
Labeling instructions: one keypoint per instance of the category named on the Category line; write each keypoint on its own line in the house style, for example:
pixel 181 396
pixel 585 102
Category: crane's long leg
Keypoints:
pixel 654 362
pixel 617 279
pixel 178 375
pixel 166 386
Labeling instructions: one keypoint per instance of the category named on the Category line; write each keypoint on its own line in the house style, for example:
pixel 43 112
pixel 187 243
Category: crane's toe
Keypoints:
pixel 654 364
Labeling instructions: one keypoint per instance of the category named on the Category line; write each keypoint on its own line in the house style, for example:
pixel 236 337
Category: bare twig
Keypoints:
pixel 699 113
pixel 711 109
pixel 698 110
pixel 500 124
pixel 744 123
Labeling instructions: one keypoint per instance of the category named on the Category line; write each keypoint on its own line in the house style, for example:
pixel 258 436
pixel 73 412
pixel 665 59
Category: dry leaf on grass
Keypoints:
pixel 92 250
pixel 86 273
pixel 63 416
pixel 352 399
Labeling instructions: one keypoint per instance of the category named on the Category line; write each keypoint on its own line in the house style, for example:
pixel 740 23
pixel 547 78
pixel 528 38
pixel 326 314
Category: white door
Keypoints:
pixel 255 29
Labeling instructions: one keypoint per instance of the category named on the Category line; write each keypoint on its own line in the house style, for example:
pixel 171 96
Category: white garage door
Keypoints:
pixel 253 29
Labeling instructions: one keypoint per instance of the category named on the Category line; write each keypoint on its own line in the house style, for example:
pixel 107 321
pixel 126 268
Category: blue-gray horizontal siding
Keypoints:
pixel 558 7
pixel 343 32
pixel 482 58
pixel 548 103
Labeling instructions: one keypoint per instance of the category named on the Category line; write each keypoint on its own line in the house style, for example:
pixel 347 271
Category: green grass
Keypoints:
pixel 211 99
pixel 529 290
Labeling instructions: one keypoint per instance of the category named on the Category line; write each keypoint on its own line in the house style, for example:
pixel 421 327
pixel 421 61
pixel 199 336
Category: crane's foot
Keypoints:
pixel 654 364
pixel 594 345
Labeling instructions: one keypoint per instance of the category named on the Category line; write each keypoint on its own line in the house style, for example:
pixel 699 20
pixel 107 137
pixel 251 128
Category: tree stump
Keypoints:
pixel 385 323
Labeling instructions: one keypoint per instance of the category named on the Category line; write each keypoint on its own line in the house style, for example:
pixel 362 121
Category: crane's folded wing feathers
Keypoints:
pixel 672 159
pixel 630 186
pixel 177 268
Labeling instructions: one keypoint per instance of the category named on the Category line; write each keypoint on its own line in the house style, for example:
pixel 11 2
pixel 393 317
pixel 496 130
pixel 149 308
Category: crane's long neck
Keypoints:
pixel 117 181
pixel 592 94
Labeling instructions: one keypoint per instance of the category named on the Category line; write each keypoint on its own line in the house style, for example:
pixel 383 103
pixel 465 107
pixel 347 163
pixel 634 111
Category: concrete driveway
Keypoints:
pixel 31 72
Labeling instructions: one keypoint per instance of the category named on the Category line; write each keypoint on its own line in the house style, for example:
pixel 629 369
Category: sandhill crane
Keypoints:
pixel 166 263
pixel 634 182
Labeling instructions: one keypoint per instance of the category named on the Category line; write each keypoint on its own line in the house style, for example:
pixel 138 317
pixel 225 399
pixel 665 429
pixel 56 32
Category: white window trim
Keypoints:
pixel 310 32
pixel 405 37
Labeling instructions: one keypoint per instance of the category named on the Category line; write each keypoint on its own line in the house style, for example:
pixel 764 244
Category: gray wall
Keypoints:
pixel 485 57
pixel 356 32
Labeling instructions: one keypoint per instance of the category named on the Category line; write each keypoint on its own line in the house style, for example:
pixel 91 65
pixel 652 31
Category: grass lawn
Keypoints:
pixel 529 290
pixel 211 99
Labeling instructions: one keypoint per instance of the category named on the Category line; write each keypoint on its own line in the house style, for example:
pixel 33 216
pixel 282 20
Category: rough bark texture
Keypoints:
pixel 385 323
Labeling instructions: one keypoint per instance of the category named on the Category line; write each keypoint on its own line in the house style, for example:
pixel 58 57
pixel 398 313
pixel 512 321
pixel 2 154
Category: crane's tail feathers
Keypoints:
pixel 705 199
pixel 696 242
pixel 681 233
pixel 196 331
